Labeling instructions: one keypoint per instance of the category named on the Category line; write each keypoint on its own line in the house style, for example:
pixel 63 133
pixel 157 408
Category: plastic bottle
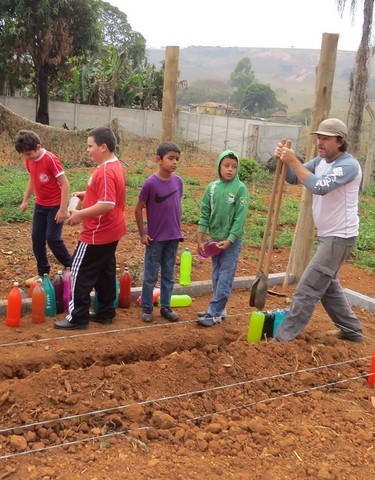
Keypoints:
pixel 186 263
pixel 50 309
pixel 155 297
pixel 371 377
pixel 280 314
pixel 269 322
pixel 38 303
pixel 14 307
pixel 254 333
pixel 210 249
pixel 125 289
pixel 58 285
pixel 95 305
pixel 67 294
pixel 31 288
pixel 179 301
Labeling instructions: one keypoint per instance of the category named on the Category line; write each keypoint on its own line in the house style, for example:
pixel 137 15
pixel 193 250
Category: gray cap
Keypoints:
pixel 332 127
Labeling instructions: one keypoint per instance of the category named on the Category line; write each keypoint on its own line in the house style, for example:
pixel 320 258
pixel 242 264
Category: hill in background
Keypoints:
pixel 289 72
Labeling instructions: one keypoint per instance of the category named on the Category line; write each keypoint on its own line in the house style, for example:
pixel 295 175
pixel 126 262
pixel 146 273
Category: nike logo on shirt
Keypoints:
pixel 162 198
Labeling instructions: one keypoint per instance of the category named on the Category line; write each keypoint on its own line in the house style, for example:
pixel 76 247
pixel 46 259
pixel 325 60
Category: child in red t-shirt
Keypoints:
pixel 94 261
pixel 50 187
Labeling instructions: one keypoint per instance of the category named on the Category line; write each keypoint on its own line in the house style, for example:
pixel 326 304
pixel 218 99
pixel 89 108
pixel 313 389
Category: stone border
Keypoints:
pixel 201 288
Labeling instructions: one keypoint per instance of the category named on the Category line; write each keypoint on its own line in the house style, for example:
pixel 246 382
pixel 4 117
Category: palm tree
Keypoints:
pixel 360 75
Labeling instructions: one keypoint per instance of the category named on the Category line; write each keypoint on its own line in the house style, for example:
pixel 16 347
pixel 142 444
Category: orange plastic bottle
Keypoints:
pixel 38 303
pixel 125 287
pixel 14 307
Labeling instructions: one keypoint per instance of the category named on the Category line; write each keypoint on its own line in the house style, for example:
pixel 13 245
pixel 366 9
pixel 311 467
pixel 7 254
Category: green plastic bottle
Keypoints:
pixel 254 333
pixel 179 301
pixel 50 309
pixel 186 262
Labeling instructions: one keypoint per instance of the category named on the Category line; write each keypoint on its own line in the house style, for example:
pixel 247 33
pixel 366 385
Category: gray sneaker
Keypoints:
pixel 223 314
pixel 209 320
pixel 350 337
pixel 169 314
pixel 147 315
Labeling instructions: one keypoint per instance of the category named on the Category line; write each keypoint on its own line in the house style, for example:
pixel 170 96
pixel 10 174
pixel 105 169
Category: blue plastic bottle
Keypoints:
pixel 254 333
pixel 269 322
pixel 280 314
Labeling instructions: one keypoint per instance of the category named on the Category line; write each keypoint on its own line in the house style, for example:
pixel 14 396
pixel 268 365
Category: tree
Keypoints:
pixel 360 75
pixel 45 34
pixel 260 100
pixel 241 78
pixel 209 90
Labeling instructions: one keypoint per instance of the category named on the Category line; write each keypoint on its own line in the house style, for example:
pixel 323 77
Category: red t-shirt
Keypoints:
pixel 44 171
pixel 106 185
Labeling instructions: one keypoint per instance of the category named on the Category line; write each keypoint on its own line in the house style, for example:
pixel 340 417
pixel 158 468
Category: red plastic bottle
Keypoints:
pixel 371 377
pixel 14 307
pixel 125 286
pixel 31 289
pixel 38 303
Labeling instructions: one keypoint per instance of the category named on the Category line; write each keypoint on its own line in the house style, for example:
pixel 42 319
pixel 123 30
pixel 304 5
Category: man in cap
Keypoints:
pixel 334 178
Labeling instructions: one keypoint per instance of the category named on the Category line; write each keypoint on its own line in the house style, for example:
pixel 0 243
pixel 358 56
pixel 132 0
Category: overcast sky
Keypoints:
pixel 241 23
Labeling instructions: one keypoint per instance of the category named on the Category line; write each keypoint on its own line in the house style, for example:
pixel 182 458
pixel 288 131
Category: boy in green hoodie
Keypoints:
pixel 224 210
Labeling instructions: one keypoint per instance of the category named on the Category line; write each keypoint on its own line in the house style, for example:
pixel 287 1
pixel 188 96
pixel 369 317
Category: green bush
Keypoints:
pixel 249 169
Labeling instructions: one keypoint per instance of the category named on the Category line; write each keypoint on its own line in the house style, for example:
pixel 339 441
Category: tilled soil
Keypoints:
pixel 176 400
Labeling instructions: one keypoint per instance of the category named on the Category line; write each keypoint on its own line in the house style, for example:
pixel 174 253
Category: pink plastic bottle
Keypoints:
pixel 67 292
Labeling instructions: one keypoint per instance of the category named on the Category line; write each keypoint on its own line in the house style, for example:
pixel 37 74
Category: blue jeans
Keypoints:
pixel 224 268
pixel 320 281
pixel 45 230
pixel 159 255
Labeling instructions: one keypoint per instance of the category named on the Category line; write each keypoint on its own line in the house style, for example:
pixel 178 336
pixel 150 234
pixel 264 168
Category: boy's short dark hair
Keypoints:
pixel 104 135
pixel 166 147
pixel 26 140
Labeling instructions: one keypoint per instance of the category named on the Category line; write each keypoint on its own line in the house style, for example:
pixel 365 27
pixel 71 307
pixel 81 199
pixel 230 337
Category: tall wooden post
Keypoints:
pixel 168 114
pixel 300 254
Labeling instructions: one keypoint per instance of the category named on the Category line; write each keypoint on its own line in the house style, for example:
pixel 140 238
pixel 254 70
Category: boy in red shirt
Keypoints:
pixel 94 261
pixel 50 186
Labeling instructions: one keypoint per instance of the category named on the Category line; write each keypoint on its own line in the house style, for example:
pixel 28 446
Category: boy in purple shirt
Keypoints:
pixel 161 196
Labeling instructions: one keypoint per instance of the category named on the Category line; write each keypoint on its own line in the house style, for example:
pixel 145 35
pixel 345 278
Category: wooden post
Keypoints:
pixel 168 114
pixel 300 253
pixel 370 152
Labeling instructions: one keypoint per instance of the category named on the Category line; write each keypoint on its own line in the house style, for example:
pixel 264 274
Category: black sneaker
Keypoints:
pixel 169 314
pixel 147 315
pixel 352 337
pixel 103 321
pixel 209 320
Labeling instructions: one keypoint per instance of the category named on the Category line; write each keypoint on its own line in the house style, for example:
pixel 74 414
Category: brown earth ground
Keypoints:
pixel 178 401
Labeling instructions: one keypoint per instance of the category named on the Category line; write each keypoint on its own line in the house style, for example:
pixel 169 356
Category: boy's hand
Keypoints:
pixel 61 215
pixel 145 239
pixel 24 206
pixel 224 244
pixel 74 218
pixel 201 248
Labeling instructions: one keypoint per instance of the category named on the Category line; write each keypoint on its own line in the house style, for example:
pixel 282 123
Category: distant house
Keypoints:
pixel 212 108
pixel 281 118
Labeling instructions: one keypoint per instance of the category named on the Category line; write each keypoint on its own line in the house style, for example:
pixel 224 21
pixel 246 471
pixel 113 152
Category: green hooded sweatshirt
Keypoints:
pixel 224 206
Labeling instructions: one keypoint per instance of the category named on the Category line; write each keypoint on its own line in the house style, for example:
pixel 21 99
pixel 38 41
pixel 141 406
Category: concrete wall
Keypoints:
pixel 249 138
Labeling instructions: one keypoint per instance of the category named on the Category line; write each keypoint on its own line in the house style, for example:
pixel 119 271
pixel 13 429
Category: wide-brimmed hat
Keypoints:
pixel 332 127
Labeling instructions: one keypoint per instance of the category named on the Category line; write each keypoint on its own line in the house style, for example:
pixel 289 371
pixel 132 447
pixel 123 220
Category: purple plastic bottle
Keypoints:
pixel 58 285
